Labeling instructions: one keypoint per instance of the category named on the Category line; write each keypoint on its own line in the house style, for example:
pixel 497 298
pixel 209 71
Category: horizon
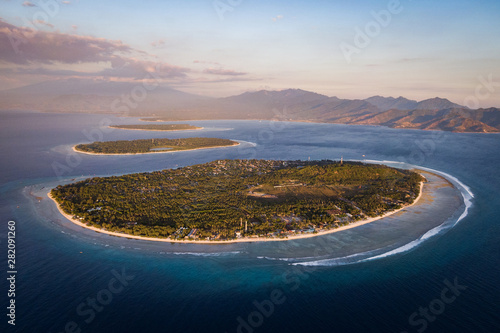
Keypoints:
pixel 212 48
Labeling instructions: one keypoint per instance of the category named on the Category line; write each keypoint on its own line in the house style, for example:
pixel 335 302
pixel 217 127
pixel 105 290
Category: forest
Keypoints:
pixel 228 199
pixel 152 145
pixel 155 127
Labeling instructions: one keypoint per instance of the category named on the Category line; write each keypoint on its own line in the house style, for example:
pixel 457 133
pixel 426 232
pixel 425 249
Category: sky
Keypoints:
pixel 350 49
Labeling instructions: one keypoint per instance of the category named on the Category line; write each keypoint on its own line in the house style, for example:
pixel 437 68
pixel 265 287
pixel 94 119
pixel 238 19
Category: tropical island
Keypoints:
pixel 238 200
pixel 147 146
pixel 162 127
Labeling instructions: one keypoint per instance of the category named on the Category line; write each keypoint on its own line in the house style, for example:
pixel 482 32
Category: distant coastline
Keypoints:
pixel 317 121
pixel 311 121
pixel 245 239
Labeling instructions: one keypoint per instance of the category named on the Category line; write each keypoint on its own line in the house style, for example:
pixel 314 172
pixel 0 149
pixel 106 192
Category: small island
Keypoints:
pixel 239 200
pixel 147 146
pixel 162 127
pixel 156 119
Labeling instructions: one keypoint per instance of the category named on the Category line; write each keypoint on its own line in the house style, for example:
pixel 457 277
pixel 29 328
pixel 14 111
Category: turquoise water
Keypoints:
pixel 228 288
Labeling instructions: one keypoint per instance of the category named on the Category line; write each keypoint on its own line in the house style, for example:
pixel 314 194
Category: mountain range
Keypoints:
pixel 136 99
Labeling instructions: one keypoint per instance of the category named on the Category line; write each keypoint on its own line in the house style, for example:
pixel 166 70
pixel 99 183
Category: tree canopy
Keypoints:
pixel 227 198
pixel 152 145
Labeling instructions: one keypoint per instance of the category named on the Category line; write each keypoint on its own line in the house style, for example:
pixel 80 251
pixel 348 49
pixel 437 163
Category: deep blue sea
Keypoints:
pixel 430 270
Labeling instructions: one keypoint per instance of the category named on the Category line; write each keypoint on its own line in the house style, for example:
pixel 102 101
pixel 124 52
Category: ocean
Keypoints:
pixel 433 269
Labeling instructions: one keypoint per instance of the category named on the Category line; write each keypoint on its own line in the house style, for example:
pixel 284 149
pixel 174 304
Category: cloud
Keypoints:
pixel 121 68
pixel 28 4
pixel 277 18
pixel 74 27
pixel 42 71
pixel 206 62
pixel 204 80
pixel 158 43
pixel 66 2
pixel 137 69
pixel 30 48
pixel 29 53
pixel 24 46
pixel 42 22
pixel 216 71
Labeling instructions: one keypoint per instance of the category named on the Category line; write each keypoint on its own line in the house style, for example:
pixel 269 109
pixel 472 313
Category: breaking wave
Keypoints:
pixel 251 144
pixel 467 196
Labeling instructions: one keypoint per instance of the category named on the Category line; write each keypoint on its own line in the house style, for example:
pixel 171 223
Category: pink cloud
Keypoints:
pixel 158 43
pixel 277 18
pixel 24 45
pixel 42 22
pixel 121 68
pixel 229 72
pixel 28 4
pixel 205 62
pixel 134 68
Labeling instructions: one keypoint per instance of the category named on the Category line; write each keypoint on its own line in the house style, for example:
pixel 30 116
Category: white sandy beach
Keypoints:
pixel 241 240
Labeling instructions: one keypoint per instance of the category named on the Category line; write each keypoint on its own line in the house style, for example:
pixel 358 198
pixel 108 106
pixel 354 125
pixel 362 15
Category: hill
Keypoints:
pixel 437 104
pixel 455 120
pixel 388 103
pixel 134 99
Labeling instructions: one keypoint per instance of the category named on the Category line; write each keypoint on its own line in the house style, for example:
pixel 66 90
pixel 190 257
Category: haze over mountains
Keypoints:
pixel 137 99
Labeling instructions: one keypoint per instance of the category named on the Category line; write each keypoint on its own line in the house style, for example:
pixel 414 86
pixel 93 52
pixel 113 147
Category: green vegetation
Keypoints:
pixel 162 127
pixel 152 145
pixel 227 199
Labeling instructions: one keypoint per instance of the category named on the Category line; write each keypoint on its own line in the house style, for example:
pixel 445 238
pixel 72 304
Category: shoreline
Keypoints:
pixel 152 152
pixel 241 240
pixel 153 130
pixel 319 122
pixel 242 119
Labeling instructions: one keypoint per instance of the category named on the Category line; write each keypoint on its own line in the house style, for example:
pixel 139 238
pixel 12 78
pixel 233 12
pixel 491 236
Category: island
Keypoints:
pixel 148 146
pixel 162 127
pixel 239 200
pixel 155 119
